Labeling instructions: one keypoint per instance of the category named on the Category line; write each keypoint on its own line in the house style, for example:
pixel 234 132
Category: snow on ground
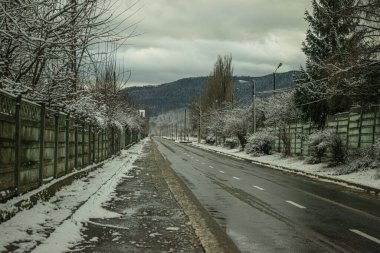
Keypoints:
pixel 65 213
pixel 365 178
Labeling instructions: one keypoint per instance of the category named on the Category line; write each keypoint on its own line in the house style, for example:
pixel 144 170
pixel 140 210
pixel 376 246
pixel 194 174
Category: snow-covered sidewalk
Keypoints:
pixel 61 218
pixel 367 178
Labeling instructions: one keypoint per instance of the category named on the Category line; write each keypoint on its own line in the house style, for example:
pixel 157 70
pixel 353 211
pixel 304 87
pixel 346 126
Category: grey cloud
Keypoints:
pixel 183 38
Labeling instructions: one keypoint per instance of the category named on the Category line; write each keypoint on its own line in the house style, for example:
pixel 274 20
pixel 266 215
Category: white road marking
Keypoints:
pixel 211 167
pixel 203 163
pixel 365 236
pixel 197 160
pixel 295 204
pixel 221 171
pixel 257 187
pixel 236 178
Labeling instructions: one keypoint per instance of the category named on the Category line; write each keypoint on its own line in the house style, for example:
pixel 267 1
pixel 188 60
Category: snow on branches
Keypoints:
pixel 56 51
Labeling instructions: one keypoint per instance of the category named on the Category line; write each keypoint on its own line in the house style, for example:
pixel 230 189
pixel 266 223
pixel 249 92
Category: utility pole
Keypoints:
pixel 185 129
pixel 274 79
pixel 199 123
pixel 254 106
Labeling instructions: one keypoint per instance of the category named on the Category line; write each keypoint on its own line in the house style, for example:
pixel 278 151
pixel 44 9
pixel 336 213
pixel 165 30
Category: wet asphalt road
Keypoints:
pixel 264 210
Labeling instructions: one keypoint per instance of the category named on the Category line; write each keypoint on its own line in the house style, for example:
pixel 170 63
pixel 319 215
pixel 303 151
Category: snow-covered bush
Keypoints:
pixel 364 159
pixel 235 124
pixel 323 142
pixel 210 139
pixel 317 146
pixel 259 143
pixel 231 143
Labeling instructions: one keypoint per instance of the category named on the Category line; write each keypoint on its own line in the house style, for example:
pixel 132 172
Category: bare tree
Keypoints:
pixel 280 111
pixel 220 89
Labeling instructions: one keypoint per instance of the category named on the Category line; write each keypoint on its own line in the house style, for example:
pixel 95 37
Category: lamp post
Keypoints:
pixel 274 78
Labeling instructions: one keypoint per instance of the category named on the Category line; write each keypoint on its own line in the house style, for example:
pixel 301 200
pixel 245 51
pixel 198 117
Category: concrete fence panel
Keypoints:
pixel 38 144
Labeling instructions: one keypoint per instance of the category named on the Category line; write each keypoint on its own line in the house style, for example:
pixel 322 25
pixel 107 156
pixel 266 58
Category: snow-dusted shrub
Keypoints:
pixel 210 139
pixel 259 143
pixel 235 124
pixel 364 159
pixel 336 148
pixel 317 146
pixel 231 143
pixel 323 142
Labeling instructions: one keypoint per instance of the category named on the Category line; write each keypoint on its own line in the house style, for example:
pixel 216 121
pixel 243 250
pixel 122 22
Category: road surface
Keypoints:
pixel 265 210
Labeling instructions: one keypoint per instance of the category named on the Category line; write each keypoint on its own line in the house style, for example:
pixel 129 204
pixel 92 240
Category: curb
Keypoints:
pixel 341 182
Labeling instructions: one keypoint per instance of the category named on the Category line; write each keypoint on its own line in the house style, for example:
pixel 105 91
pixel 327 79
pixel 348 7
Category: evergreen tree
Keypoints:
pixel 332 43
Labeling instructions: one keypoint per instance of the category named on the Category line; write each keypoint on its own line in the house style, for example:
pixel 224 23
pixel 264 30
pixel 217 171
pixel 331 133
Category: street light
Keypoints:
pixel 274 78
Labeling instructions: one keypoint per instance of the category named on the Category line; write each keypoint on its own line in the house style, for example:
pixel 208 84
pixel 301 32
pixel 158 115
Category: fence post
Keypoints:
pixel 360 128
pixel 308 145
pixel 295 139
pixel 374 126
pixel 112 140
pixel 56 131
pixel 76 145
pixel 83 129
pixel 42 143
pixel 290 140
pixel 17 144
pixel 67 142
pixel 104 144
pixel 302 138
pixel 125 137
pixel 89 144
pixel 93 146
pixel 98 151
pixel 348 131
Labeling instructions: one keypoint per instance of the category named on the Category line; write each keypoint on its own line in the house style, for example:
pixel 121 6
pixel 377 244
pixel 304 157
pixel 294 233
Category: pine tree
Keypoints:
pixel 331 45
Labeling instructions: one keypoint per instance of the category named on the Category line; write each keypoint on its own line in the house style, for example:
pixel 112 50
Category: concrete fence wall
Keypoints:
pixel 38 144
pixel 357 128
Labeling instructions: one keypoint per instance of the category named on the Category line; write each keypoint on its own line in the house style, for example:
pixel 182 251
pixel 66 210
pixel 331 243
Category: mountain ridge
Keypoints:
pixel 180 93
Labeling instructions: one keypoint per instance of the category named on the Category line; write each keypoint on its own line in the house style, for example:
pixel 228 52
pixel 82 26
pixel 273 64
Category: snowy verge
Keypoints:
pixel 366 180
pixel 28 199
pixel 55 225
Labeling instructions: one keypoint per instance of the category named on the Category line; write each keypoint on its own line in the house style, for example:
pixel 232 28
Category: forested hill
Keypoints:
pixel 179 94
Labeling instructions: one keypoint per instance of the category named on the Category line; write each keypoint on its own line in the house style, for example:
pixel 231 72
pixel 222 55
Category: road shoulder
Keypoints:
pixel 319 177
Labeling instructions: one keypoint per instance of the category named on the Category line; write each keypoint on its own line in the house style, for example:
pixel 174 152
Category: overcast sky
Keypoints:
pixel 182 38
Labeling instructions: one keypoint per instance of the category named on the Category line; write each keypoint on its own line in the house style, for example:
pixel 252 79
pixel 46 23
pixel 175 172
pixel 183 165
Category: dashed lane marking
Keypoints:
pixel 295 204
pixel 258 187
pixel 211 167
pixel 236 178
pixel 221 171
pixel 374 239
